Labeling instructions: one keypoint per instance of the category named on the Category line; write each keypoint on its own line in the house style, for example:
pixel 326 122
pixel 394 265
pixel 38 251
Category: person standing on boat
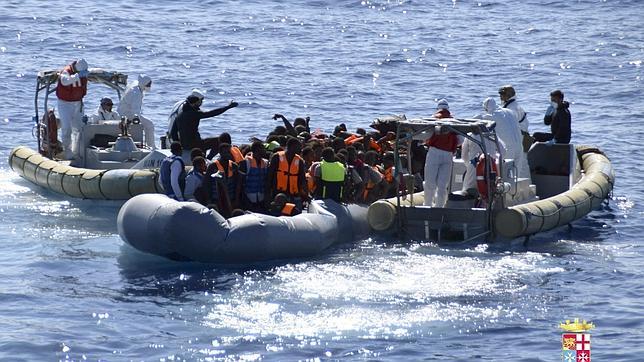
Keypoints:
pixel 509 101
pixel 70 90
pixel 173 173
pixel 105 112
pixel 131 103
pixel 470 150
pixel 438 162
pixel 172 133
pixel 507 130
pixel 222 182
pixel 558 118
pixel 185 127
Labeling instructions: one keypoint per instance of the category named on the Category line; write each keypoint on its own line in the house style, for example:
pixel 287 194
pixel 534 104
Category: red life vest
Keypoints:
pixel 73 92
pixel 446 142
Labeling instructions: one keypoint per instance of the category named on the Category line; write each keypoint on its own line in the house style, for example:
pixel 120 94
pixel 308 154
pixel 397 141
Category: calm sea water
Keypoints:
pixel 71 289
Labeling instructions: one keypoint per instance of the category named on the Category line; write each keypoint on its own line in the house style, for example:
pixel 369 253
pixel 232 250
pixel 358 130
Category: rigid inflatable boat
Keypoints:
pixel 159 225
pixel 113 163
pixel 566 183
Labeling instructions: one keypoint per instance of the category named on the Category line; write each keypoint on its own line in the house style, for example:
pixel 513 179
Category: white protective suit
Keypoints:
pixel 522 117
pixel 513 105
pixel 71 113
pixel 102 115
pixel 438 170
pixel 131 103
pixel 507 130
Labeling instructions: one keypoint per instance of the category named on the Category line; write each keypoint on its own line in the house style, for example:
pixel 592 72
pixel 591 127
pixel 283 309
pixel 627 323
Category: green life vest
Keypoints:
pixel 332 180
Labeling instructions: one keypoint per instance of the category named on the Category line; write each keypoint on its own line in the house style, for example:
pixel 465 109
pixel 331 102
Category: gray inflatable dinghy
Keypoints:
pixel 156 224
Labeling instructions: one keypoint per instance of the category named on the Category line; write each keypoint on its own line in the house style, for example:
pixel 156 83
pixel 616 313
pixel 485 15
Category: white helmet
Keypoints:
pixel 489 105
pixel 442 104
pixel 198 93
pixel 144 80
pixel 81 65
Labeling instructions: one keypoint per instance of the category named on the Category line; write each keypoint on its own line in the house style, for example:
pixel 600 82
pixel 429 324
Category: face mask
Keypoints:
pixel 554 105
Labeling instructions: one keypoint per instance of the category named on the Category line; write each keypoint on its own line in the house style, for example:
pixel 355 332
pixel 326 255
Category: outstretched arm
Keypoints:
pixel 289 127
pixel 217 111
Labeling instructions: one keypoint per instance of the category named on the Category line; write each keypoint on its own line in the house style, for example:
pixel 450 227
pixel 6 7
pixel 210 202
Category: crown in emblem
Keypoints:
pixel 576 326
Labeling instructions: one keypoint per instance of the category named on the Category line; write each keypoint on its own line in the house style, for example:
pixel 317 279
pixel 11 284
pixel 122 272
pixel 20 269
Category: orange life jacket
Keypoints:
pixel 220 168
pixel 310 179
pixel 350 140
pixel 372 144
pixel 370 184
pixel 287 175
pixel 288 208
pixel 236 153
pixel 73 92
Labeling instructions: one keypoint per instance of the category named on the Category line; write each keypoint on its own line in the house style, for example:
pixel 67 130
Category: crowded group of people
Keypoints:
pixel 292 165
pixel 279 174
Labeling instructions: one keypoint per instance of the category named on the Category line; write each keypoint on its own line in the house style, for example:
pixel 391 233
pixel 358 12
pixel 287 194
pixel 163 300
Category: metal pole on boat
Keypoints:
pixel 36 118
pixel 396 161
pixel 488 170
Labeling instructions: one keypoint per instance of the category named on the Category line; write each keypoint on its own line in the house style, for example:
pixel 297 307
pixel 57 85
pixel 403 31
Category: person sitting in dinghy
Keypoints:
pixel 329 177
pixel 173 173
pixel 222 182
pixel 104 112
pixel 372 177
pixel 194 179
pixel 254 170
pixel 287 173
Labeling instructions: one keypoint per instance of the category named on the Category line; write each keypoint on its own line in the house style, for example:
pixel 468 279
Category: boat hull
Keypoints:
pixel 543 215
pixel 525 219
pixel 159 225
pixel 82 183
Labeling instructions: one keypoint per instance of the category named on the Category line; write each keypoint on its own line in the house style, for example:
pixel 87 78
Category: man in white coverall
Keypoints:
pixel 507 130
pixel 470 152
pixel 438 162
pixel 508 96
pixel 70 90
pixel 131 103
